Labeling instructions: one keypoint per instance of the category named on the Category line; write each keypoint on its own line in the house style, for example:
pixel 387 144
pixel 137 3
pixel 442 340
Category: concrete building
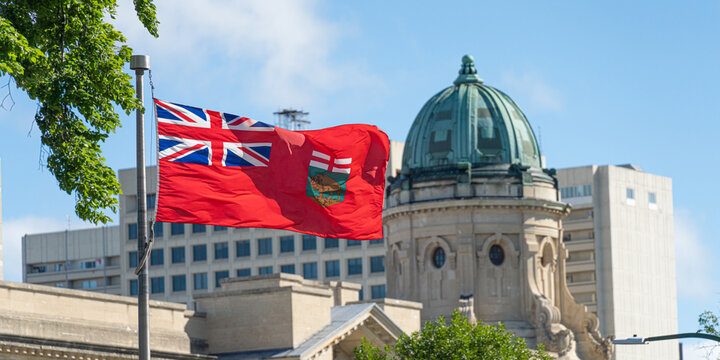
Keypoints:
pixel 621 255
pixel 276 316
pixel 86 259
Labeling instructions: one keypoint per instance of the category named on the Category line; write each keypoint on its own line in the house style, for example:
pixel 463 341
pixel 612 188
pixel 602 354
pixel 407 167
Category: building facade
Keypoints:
pixel 87 259
pixel 621 254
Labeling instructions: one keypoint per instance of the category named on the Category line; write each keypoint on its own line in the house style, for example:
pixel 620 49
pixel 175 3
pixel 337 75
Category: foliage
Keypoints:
pixel 709 323
pixel 458 340
pixel 66 56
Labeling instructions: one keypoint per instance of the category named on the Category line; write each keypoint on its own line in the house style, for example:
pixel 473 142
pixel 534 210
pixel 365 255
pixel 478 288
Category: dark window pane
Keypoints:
pixel 309 242
pixel 219 275
pixel 178 255
pixel 376 264
pixel 288 269
pixel 242 248
pixel 200 281
pixel 377 241
pixel 265 246
pixel 197 228
pixel 377 291
pixel 158 229
pixel 265 270
pixel 287 244
pixel 354 243
pixel 177 229
pixel 221 250
pixel 310 270
pixel 132 256
pixel 132 232
pixel 332 268
pixel 243 272
pixel 157 285
pixel 157 257
pixel 220 228
pixel 178 282
pixel 150 201
pixel 355 266
pixel 133 287
pixel 331 243
pixel 199 252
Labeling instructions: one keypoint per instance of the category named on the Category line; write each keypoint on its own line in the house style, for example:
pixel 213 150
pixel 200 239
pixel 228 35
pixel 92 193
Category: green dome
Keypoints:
pixel 470 122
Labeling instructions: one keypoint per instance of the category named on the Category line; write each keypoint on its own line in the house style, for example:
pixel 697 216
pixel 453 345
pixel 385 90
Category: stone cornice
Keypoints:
pixel 552 207
pixel 26 347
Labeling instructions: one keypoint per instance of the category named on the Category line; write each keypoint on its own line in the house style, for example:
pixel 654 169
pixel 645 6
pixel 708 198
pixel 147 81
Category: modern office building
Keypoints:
pixel 87 259
pixel 621 255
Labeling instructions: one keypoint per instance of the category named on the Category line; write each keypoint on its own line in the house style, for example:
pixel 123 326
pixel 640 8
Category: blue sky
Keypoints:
pixel 606 83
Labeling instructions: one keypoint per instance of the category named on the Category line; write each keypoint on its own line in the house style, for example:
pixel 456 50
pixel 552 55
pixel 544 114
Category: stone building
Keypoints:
pixel 277 316
pixel 474 218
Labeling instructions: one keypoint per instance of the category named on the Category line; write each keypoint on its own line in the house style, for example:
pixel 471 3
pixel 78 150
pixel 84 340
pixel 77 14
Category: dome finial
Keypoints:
pixel 468 73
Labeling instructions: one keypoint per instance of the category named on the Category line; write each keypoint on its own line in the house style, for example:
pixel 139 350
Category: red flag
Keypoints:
pixel 222 169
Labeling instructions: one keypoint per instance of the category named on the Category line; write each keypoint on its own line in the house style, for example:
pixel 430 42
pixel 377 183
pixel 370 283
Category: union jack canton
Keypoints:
pixel 199 150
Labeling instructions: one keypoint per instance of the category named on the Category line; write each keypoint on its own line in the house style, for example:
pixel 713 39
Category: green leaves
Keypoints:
pixel 458 340
pixel 709 323
pixel 65 56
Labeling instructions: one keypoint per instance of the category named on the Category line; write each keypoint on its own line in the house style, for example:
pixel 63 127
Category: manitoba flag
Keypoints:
pixel 221 169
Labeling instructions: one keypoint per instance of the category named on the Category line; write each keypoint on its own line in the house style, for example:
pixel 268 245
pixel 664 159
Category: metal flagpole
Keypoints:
pixel 140 63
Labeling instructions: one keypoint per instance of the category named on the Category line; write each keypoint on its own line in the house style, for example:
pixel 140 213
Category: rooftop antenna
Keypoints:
pixel 291 119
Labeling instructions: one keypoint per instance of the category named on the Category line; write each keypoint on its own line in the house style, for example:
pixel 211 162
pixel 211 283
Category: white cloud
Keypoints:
pixel 12 232
pixel 693 260
pixel 533 87
pixel 701 351
pixel 281 51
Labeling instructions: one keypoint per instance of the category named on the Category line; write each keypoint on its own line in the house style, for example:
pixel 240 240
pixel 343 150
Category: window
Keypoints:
pixel 309 242
pixel 287 244
pixel 376 264
pixel 133 287
pixel 199 252
pixel 377 291
pixel 288 269
pixel 361 294
pixel 132 256
pixel 310 270
pixel 331 243
pixel 178 282
pixel 265 270
pixel 157 285
pixel 377 241
pixel 242 248
pixel 497 255
pixel 38 269
pixel 439 257
pixel 221 250
pixel 630 193
pixel 355 266
pixel 84 265
pixel 576 191
pixel 354 243
pixel 243 272
pixel 157 257
pixel 197 228
pixel 89 284
pixel 177 229
pixel 332 268
pixel 132 232
pixel 150 201
pixel 652 198
pixel 158 229
pixel 219 275
pixel 200 281
pixel 178 255
pixel 265 246
pixel 219 228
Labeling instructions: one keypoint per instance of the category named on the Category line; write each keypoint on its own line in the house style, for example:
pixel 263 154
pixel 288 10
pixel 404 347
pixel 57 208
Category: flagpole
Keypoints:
pixel 140 63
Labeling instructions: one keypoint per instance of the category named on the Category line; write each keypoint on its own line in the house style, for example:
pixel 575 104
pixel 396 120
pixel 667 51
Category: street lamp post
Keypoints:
pixel 635 340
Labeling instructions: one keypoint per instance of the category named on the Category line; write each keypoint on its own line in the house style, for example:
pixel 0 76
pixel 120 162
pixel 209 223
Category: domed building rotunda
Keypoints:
pixel 473 222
